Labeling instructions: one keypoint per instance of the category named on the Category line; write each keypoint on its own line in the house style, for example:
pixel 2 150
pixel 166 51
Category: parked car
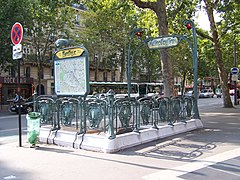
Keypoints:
pixel 189 93
pixel 206 93
pixel 26 106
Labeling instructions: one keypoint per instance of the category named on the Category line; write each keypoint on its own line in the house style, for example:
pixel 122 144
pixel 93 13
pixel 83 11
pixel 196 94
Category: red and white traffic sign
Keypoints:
pixel 16 33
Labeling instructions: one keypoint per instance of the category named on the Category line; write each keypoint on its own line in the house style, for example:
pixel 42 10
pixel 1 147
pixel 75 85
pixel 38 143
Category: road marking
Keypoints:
pixel 10 177
pixel 193 166
pixel 226 172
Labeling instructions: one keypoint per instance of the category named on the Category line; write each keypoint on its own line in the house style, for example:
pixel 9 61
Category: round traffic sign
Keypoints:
pixel 16 33
pixel 234 70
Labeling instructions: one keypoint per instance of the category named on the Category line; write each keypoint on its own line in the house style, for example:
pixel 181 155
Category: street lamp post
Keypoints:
pixel 190 25
pixel 129 70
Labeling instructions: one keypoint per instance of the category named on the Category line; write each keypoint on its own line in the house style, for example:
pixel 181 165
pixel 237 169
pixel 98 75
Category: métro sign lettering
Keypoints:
pixel 68 53
pixel 163 42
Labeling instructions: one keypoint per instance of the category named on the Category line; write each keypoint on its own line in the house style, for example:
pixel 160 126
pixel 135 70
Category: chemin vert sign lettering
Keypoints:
pixel 163 42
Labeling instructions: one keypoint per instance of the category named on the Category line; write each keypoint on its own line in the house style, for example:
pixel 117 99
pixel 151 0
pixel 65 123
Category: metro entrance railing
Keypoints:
pixel 112 116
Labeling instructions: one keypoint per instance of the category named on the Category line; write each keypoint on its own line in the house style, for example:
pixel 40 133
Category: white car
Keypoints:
pixel 206 93
pixel 189 93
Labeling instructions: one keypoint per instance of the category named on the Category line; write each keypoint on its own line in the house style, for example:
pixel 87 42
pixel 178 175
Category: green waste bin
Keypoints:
pixel 33 127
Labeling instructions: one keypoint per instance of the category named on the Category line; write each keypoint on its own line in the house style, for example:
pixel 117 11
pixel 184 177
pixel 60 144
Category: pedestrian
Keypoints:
pixel 16 98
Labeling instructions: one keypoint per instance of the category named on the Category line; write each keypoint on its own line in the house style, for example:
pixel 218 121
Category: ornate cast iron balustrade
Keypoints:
pixel 105 114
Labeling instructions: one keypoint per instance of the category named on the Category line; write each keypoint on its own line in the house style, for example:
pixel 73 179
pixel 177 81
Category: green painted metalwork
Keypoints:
pixel 46 110
pixel 71 66
pixel 80 115
pixel 110 98
pixel 176 107
pixel 168 41
pixel 129 71
pixel 189 106
pixel 146 111
pixel 125 114
pixel 95 115
pixel 46 106
pixel 163 110
pixel 67 112
pixel 109 115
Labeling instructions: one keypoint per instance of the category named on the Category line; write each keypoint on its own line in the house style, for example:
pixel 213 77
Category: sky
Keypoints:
pixel 203 21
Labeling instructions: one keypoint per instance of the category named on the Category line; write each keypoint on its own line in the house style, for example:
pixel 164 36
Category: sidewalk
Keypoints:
pixel 210 153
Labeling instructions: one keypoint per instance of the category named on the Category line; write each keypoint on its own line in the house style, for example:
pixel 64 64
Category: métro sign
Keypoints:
pixel 163 42
pixel 71 71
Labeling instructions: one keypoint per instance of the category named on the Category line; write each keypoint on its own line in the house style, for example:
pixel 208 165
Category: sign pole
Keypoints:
pixel 16 37
pixel 235 82
pixel 19 108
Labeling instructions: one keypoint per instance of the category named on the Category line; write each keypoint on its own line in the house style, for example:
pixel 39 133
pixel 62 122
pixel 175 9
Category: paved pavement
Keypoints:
pixel 209 153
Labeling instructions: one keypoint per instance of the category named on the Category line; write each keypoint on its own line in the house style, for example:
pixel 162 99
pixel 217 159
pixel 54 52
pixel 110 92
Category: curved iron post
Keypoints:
pixel 176 107
pixel 47 99
pixel 195 68
pixel 77 102
pixel 110 97
pixel 132 33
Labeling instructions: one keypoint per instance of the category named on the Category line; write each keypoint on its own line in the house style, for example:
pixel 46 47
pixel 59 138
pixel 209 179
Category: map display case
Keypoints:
pixel 71 72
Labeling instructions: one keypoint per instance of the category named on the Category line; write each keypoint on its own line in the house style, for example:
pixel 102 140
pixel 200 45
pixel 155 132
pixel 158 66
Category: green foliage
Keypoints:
pixel 11 11
pixel 41 21
pixel 229 30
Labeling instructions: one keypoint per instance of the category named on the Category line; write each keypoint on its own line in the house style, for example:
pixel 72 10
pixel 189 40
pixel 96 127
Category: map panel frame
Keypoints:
pixel 71 74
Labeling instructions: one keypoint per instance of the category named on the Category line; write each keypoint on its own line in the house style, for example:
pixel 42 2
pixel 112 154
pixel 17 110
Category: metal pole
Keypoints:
pixel 129 74
pixel 19 107
pixel 129 67
pixel 235 83
pixel 195 72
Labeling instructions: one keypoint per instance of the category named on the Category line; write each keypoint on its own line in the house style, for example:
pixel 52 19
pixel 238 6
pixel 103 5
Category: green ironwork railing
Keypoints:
pixel 112 116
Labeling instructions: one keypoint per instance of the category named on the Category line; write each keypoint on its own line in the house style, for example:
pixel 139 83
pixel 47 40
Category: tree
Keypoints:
pixel 159 7
pixel 182 63
pixel 108 24
pixel 48 21
pixel 210 6
pixel 11 11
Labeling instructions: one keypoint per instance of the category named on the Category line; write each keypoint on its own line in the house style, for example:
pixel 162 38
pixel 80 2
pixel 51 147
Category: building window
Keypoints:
pixel 52 88
pixel 105 76
pixel 27 72
pixel 42 77
pixel 12 72
pixel 52 72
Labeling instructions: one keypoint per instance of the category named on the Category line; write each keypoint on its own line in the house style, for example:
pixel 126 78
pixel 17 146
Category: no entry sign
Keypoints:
pixel 16 33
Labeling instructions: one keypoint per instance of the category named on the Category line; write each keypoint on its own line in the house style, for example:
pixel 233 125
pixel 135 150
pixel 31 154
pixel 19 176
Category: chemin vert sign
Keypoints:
pixel 163 42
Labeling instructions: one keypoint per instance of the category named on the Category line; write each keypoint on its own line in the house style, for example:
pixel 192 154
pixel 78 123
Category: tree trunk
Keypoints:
pixel 183 83
pixel 122 63
pixel 227 103
pixel 167 69
pixel 159 8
